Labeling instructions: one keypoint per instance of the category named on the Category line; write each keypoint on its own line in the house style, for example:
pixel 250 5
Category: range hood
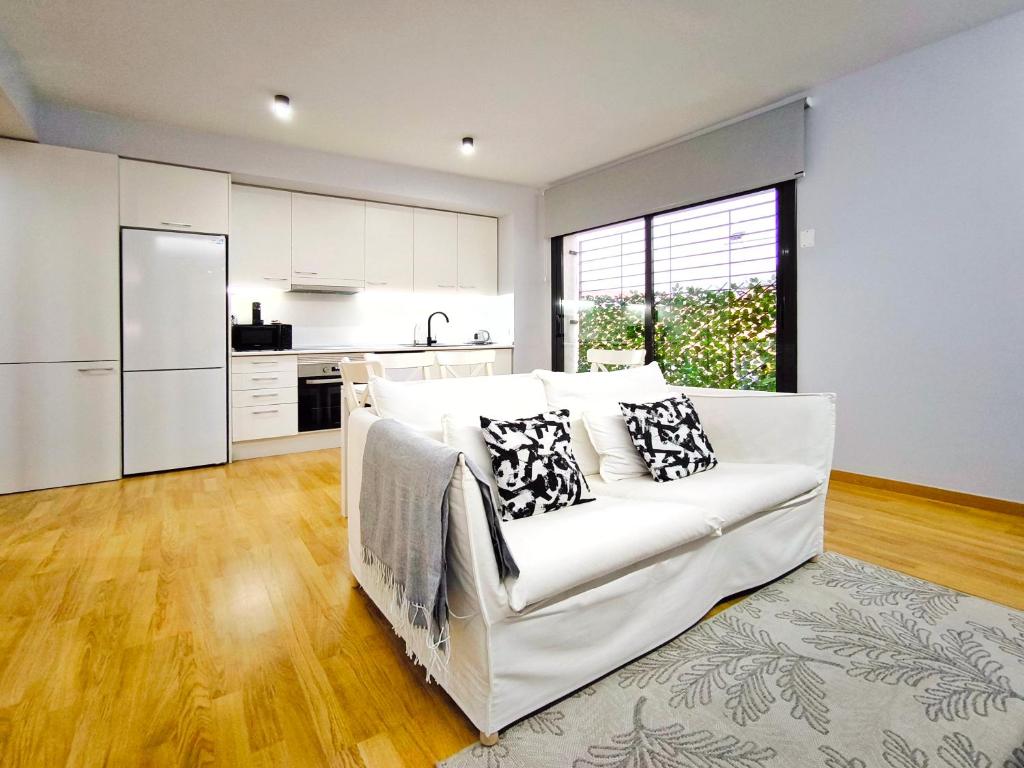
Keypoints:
pixel 342 287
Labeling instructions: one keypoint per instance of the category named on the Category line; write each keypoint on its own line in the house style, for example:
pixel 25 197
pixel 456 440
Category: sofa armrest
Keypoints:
pixel 768 428
pixel 472 569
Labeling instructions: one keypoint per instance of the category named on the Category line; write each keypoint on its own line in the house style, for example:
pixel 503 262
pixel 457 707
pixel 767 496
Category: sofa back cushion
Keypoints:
pixel 568 390
pixel 580 392
pixel 423 404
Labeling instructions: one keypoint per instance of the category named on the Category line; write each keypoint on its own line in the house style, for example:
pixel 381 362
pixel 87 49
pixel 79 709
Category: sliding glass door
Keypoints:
pixel 708 291
pixel 605 269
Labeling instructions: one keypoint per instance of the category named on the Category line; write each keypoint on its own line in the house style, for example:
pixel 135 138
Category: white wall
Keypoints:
pixel 375 317
pixel 522 264
pixel 911 304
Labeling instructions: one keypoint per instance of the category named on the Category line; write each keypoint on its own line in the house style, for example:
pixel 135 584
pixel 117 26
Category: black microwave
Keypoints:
pixel 246 338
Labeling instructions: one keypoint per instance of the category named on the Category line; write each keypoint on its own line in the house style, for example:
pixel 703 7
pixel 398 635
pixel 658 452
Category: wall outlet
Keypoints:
pixel 806 238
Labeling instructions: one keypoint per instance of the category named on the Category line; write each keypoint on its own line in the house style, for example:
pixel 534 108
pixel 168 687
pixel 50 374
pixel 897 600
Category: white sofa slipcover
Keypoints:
pixel 604 582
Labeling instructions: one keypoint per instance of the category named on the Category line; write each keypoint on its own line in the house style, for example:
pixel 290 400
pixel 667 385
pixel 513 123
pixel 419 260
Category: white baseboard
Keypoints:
pixel 275 446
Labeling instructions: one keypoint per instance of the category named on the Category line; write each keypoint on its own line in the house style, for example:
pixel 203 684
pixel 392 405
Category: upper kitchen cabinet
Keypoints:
pixel 478 254
pixel 155 196
pixel 328 242
pixel 436 249
pixel 261 237
pixel 58 254
pixel 389 247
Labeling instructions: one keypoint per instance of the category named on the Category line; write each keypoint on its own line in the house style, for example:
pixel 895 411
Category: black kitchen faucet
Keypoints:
pixel 431 341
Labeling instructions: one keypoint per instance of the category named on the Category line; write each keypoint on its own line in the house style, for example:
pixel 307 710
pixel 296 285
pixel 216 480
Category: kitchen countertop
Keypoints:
pixel 367 348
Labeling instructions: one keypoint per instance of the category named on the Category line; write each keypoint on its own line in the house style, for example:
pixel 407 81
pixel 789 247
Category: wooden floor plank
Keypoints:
pixel 206 617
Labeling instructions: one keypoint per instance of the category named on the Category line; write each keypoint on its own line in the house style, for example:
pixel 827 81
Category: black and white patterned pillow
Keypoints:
pixel 669 438
pixel 533 463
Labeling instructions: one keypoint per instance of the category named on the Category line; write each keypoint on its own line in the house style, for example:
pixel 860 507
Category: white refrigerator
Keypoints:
pixel 174 350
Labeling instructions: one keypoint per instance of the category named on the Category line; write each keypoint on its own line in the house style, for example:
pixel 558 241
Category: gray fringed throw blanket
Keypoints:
pixel 403 513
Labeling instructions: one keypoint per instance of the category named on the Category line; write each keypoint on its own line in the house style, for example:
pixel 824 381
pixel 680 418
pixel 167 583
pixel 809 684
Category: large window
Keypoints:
pixel 705 290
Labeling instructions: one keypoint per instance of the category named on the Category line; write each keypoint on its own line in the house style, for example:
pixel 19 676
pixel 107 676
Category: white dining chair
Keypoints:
pixel 404 362
pixel 355 375
pixel 454 363
pixel 600 359
pixel 355 394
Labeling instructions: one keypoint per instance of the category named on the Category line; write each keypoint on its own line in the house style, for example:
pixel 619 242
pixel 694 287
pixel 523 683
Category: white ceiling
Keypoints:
pixel 549 88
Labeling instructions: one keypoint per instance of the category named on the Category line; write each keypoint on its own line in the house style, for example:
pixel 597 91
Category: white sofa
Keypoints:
pixel 604 582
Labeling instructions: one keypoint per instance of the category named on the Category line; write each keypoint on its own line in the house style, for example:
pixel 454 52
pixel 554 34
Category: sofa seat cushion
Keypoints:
pixel 727 494
pixel 574 546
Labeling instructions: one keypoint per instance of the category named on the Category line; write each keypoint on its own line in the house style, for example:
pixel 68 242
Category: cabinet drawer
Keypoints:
pixel 250 397
pixel 262 421
pixel 263 380
pixel 263 363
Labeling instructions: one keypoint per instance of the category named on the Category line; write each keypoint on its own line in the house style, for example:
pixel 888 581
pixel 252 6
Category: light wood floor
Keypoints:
pixel 206 617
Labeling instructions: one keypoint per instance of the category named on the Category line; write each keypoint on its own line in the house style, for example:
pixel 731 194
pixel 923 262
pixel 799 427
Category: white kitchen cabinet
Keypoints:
pixel 263 421
pixel 328 241
pixel 502 362
pixel 58 254
pixel 264 397
pixel 389 247
pixel 260 250
pixel 436 251
pixel 60 424
pixel 478 254
pixel 157 196
pixel 258 363
pixel 263 380
pixel 254 397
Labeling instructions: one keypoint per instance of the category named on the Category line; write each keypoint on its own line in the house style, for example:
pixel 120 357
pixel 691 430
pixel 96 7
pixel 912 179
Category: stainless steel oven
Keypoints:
pixel 320 397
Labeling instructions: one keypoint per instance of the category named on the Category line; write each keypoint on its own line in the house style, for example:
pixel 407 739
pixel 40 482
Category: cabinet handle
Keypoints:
pixel 268 394
pixel 101 368
pixel 446 285
pixel 297 272
pixel 265 378
pixel 263 362
pixel 467 286
pixel 376 282
pixel 177 224
pixel 276 279
pixel 268 410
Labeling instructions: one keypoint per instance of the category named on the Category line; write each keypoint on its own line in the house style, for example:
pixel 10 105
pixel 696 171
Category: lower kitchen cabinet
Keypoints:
pixel 262 421
pixel 264 397
pixel 60 424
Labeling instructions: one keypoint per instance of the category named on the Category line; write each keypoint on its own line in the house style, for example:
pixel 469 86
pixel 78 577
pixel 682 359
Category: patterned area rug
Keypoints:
pixel 840 664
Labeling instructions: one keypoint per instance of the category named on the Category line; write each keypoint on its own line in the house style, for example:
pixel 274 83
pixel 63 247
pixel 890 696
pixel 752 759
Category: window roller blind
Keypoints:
pixel 761 150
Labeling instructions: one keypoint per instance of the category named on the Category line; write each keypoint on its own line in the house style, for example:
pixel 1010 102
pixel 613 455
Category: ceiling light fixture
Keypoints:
pixel 468 148
pixel 282 107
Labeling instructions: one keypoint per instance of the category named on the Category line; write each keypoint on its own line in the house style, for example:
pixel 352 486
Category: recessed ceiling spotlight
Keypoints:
pixel 468 148
pixel 282 107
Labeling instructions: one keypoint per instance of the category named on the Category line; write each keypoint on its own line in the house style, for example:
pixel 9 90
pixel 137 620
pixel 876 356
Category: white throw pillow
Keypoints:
pixel 619 459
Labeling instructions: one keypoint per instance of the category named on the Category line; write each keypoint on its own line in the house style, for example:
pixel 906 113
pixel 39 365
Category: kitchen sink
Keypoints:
pixel 424 345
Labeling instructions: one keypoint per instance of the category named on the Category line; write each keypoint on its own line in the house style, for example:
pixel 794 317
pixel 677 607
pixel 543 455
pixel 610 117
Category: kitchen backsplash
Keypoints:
pixel 378 317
